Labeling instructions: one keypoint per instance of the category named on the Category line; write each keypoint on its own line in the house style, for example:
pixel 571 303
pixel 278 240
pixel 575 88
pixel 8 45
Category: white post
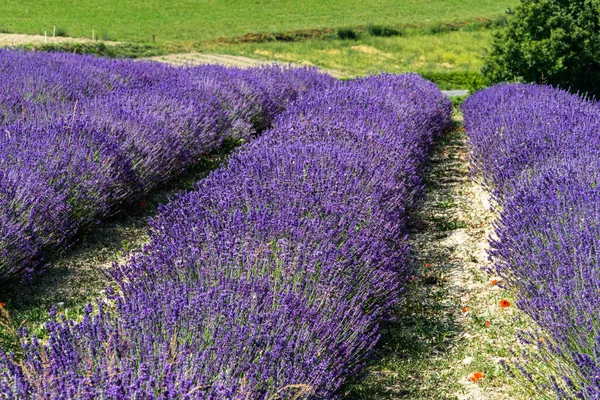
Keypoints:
pixel 54 31
pixel 45 37
pixel 93 36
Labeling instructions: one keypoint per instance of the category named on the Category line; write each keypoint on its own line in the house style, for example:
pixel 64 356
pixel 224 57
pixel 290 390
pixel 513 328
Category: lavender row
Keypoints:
pixel 270 279
pixel 538 150
pixel 81 135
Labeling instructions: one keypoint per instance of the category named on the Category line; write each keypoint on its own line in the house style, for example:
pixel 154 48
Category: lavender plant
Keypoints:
pixel 538 150
pixel 82 135
pixel 269 279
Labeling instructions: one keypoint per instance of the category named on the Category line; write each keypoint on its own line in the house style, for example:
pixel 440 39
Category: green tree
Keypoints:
pixel 549 41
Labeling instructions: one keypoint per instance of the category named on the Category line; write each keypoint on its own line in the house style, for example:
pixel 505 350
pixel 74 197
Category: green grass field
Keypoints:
pixel 449 54
pixel 199 20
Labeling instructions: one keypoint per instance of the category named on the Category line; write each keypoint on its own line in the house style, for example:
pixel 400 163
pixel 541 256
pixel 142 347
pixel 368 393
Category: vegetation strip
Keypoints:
pixel 536 148
pixel 355 32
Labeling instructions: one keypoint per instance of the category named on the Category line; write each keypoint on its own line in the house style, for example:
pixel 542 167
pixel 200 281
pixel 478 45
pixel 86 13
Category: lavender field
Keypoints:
pixel 366 239
pixel 82 135
pixel 269 280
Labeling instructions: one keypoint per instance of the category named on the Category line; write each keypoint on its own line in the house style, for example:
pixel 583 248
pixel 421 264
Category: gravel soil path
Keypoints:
pixel 226 60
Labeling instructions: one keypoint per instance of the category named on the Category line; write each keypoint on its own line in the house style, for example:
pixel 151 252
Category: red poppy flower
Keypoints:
pixel 2 304
pixel 465 309
pixel 143 204
pixel 475 376
pixel 488 323
pixel 504 303
pixel 494 282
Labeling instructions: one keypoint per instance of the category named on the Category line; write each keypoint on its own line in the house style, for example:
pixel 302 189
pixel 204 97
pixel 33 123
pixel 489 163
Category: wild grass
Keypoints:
pixel 181 20
pixel 451 59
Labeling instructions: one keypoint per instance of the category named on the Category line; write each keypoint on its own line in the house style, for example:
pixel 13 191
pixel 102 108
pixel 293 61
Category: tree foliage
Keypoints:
pixel 549 41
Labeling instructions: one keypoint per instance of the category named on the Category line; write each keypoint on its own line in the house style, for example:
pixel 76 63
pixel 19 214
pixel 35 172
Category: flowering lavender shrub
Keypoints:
pixel 270 279
pixel 81 135
pixel 538 149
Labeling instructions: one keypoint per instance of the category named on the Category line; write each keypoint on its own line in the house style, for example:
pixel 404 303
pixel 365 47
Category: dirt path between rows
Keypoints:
pixel 450 324
pixel 451 232
pixel 18 39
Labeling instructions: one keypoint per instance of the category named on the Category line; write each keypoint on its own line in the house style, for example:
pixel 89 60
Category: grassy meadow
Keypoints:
pixel 193 20
pixel 441 57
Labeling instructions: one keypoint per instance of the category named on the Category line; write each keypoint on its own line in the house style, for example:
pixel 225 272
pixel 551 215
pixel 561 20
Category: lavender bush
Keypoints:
pixel 538 149
pixel 270 279
pixel 81 135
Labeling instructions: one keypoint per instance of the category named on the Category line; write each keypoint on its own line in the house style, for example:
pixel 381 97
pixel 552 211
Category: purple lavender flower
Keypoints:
pixel 82 135
pixel 270 279
pixel 537 148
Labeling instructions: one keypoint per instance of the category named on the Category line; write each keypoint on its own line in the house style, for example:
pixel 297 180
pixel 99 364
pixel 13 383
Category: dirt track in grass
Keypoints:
pixel 17 39
pixel 194 58
pixel 440 335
